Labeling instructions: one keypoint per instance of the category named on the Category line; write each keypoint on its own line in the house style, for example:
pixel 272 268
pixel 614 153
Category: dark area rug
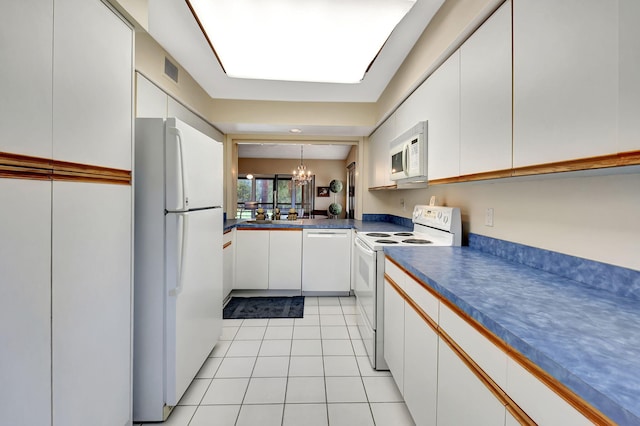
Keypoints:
pixel 264 307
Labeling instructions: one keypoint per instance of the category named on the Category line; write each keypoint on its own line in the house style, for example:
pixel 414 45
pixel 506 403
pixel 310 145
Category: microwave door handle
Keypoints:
pixel 405 159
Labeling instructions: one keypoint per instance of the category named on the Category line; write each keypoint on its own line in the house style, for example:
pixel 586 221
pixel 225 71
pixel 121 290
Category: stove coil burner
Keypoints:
pixel 386 242
pixel 377 235
pixel 403 234
pixel 416 241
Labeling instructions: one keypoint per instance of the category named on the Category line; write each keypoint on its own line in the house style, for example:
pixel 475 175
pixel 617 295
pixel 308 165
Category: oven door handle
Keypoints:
pixel 360 245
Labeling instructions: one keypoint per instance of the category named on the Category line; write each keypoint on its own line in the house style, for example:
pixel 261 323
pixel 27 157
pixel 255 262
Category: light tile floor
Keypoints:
pixel 292 372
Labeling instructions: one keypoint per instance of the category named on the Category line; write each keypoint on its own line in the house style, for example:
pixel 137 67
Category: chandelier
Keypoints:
pixel 301 176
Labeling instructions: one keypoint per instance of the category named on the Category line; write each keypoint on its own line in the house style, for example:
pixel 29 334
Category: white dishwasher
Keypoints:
pixel 326 262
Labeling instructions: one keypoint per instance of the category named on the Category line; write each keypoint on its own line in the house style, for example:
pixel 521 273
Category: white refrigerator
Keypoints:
pixel 178 261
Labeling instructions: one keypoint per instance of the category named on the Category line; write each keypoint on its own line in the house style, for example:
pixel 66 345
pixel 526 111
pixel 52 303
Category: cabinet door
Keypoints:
pixel 629 100
pixel 151 101
pixel 25 302
pixel 565 71
pixel 26 29
pixel 421 368
pixel 285 260
pixel 92 81
pixel 379 160
pixel 91 303
pixel 462 398
pixel 440 99
pixel 252 259
pixel 485 96
pixel 229 262
pixel 394 334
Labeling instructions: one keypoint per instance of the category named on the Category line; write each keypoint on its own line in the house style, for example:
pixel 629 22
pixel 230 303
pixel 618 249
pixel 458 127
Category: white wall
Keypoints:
pixel 594 217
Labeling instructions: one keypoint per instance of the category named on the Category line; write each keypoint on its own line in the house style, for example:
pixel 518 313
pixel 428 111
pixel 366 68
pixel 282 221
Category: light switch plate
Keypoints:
pixel 488 217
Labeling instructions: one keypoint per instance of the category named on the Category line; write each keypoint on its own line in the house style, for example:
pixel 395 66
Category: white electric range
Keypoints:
pixel 432 226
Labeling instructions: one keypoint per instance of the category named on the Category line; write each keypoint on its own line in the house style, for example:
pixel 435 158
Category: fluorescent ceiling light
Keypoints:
pixel 332 41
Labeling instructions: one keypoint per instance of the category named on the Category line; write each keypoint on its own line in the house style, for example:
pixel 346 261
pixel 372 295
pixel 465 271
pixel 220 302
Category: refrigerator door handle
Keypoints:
pixel 183 175
pixel 183 219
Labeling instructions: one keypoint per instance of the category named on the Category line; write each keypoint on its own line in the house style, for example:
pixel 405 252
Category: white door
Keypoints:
pixel 193 168
pixel 194 295
pixel 91 304
pixel 25 302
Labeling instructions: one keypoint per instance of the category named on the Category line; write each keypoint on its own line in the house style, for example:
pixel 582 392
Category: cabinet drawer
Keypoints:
pixel 421 296
pixel 542 404
pixel 488 356
pixel 394 272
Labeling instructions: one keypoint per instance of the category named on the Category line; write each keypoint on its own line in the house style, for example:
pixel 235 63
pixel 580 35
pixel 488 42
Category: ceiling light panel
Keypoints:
pixel 332 41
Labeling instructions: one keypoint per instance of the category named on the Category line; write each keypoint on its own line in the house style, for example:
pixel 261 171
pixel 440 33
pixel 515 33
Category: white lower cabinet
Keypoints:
pixel 91 304
pixel 268 259
pixel 462 398
pixel 436 363
pixel 228 262
pixel 285 260
pixel 394 334
pixel 25 302
pixel 420 368
pixel 252 259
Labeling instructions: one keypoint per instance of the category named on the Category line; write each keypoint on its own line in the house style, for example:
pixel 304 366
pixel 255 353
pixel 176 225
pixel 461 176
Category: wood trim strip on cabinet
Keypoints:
pixel 381 188
pixel 227 231
pixel 590 412
pixel 631 158
pixel 16 166
pixel 225 245
pixel 621 159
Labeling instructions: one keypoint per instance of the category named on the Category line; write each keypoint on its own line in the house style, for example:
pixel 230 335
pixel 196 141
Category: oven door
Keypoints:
pixel 365 280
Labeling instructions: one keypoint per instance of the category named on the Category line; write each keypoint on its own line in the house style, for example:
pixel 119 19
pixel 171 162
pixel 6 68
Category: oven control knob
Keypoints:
pixel 445 219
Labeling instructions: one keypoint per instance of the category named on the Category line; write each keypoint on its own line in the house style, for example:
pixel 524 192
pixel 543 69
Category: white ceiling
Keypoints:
pixel 174 27
pixel 292 151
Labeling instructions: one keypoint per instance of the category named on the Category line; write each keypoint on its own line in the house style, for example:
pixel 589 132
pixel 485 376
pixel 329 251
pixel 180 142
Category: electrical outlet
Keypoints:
pixel 488 217
pixel 404 208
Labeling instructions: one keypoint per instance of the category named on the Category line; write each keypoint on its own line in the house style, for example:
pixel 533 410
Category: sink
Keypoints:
pixel 279 222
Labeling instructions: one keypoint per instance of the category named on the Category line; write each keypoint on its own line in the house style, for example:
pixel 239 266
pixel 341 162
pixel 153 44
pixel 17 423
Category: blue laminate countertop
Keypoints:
pixel 588 339
pixel 358 225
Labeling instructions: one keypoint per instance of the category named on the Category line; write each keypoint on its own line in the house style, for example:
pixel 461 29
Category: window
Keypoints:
pixel 271 191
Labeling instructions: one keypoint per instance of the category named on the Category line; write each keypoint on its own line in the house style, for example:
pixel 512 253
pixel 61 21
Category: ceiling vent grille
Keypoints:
pixel 171 69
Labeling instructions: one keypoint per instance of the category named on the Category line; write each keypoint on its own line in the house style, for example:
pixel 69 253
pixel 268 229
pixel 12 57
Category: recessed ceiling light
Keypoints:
pixel 295 131
pixel 332 41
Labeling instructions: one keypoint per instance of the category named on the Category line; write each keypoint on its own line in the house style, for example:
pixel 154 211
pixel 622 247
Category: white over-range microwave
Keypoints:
pixel 409 155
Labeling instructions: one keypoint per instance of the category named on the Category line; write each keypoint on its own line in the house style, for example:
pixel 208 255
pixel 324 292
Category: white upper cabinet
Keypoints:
pixel 151 101
pixel 439 98
pixel 92 81
pixel 629 100
pixel 25 77
pixel 379 160
pixel 485 96
pixel 566 76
